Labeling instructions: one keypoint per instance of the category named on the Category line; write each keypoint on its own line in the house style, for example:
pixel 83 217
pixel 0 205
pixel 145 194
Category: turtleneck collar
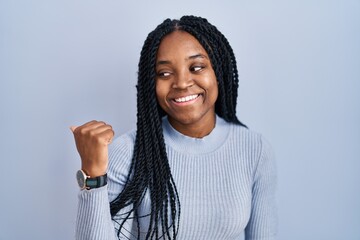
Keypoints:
pixel 190 145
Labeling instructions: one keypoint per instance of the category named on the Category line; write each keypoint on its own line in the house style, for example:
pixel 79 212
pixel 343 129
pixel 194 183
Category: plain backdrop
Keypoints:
pixel 66 62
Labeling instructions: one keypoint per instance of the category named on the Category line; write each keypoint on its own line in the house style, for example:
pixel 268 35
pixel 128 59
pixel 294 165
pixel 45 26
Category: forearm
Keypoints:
pixel 93 218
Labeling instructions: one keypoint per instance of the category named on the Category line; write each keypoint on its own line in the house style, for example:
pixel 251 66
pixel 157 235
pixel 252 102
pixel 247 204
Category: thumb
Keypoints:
pixel 72 128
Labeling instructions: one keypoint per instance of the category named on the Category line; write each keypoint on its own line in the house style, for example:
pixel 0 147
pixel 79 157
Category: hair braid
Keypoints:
pixel 223 61
pixel 150 171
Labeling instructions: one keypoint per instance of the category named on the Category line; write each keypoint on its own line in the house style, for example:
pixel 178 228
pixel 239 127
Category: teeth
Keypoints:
pixel 186 99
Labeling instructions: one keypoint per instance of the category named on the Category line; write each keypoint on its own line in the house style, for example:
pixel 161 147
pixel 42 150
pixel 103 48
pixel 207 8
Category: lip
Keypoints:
pixel 185 99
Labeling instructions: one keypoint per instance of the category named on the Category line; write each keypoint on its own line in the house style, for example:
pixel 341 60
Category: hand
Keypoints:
pixel 92 140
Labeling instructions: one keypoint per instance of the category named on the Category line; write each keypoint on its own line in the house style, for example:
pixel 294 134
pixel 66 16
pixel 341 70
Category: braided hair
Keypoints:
pixel 149 170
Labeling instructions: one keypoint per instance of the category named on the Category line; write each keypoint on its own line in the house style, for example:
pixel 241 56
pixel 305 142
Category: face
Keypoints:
pixel 186 85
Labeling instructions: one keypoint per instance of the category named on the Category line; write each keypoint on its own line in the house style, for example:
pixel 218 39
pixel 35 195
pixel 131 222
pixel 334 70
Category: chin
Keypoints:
pixel 186 120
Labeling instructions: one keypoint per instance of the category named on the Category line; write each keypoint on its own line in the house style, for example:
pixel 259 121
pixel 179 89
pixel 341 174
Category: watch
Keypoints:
pixel 87 182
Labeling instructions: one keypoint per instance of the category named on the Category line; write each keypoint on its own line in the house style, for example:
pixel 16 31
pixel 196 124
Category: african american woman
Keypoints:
pixel 190 169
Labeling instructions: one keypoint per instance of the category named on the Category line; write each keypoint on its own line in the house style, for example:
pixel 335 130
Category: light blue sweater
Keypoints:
pixel 226 183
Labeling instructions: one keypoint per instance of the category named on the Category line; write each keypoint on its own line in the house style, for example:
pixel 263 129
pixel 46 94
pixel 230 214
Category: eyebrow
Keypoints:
pixel 199 55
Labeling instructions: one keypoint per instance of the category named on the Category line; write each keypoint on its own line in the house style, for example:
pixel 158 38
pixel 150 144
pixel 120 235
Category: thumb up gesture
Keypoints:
pixel 92 140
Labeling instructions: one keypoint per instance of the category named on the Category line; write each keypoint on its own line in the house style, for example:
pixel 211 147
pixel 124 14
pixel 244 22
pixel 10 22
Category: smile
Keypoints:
pixel 186 99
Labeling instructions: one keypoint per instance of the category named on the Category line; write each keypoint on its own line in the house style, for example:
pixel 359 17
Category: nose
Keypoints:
pixel 183 80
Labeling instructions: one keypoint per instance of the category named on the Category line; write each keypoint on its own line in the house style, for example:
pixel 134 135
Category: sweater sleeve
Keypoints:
pixel 263 219
pixel 94 221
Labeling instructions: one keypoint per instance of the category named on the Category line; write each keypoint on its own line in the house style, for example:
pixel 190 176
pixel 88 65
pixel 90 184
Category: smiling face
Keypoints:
pixel 186 85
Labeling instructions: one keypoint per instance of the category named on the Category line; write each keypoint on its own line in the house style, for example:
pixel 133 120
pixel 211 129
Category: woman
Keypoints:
pixel 191 170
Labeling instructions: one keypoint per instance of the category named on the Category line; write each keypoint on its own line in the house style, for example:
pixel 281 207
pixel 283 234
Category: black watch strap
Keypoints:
pixel 96 182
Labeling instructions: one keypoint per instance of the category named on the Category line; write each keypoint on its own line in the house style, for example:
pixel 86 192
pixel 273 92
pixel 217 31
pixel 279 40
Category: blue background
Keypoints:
pixel 68 62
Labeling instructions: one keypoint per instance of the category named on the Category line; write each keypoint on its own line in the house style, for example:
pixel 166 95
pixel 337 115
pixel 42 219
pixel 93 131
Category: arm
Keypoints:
pixel 263 219
pixel 93 218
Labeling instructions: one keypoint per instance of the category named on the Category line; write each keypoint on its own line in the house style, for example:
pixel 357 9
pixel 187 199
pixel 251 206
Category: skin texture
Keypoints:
pixel 92 140
pixel 183 69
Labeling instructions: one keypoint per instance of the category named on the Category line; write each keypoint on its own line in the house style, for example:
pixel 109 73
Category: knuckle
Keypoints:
pixel 91 134
pixel 82 131
pixel 99 140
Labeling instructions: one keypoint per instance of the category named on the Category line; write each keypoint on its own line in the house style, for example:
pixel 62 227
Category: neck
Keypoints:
pixel 197 129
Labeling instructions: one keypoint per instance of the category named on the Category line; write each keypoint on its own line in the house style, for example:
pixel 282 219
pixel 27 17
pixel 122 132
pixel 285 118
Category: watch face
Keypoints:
pixel 81 178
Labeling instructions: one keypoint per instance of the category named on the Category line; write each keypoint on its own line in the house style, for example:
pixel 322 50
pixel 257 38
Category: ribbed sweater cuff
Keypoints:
pixel 93 219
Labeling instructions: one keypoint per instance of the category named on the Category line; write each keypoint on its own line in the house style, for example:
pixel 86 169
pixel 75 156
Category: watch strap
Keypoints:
pixel 96 182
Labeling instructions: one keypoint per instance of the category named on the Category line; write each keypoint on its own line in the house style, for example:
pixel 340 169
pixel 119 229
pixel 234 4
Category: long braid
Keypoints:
pixel 150 170
pixel 224 64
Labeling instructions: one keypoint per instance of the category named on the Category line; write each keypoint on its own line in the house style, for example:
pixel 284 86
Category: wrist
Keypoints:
pixel 87 182
pixel 94 171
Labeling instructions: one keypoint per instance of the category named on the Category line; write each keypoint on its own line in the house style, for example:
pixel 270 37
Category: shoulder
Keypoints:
pixel 124 142
pixel 120 157
pixel 248 137
pixel 121 150
pixel 251 143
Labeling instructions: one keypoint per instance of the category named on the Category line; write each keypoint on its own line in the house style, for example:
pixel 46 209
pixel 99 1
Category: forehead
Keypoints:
pixel 179 43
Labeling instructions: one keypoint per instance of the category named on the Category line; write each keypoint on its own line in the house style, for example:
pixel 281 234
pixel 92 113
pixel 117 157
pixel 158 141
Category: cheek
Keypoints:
pixel 213 90
pixel 214 93
pixel 161 92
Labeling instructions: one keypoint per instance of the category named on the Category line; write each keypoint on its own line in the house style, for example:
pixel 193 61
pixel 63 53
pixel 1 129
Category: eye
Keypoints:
pixel 196 68
pixel 163 74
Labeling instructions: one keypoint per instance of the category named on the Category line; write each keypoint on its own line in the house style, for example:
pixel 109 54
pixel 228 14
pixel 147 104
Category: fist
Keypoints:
pixel 92 140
